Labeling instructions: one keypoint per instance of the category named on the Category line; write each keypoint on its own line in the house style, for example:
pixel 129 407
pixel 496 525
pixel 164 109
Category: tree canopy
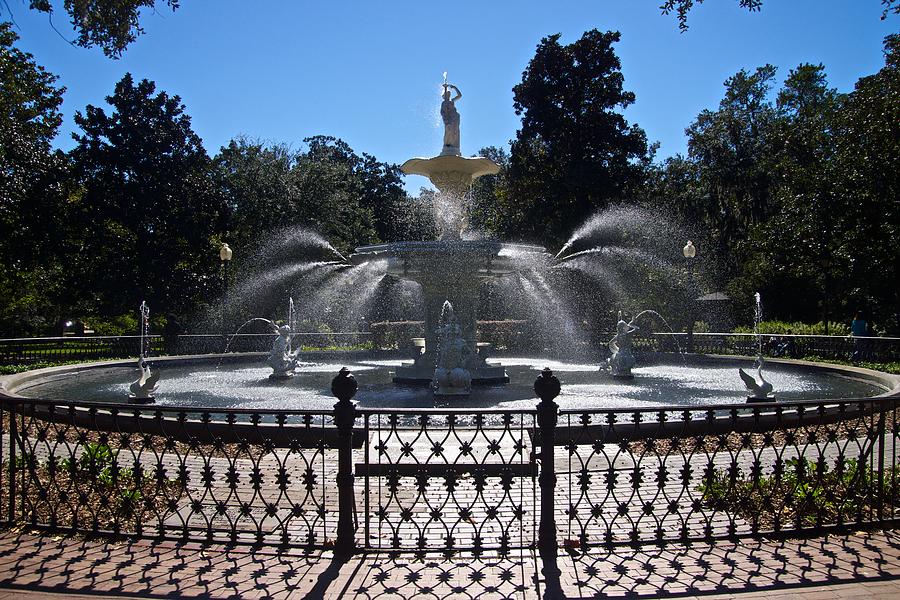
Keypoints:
pixel 575 151
pixel 110 24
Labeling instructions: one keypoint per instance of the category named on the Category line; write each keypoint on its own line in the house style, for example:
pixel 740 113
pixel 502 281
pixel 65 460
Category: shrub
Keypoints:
pixel 797 328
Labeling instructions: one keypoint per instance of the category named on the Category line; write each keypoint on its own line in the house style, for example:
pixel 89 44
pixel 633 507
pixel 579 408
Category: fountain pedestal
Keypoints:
pixel 451 270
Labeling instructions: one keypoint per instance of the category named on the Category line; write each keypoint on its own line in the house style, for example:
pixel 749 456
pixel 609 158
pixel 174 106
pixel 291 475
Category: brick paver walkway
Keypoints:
pixel 35 565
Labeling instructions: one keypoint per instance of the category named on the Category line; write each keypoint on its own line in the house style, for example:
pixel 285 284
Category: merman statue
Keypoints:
pixel 282 360
pixel 621 360
pixel 451 377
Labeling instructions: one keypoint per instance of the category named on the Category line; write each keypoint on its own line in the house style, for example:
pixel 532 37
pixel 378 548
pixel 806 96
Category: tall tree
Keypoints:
pixel 32 201
pixel 148 213
pixel 731 148
pixel 575 151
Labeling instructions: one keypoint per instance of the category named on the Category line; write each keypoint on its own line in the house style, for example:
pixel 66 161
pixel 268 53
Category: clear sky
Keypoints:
pixel 369 71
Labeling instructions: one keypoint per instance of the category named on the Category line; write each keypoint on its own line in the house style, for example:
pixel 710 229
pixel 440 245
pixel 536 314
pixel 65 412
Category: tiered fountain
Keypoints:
pixel 451 268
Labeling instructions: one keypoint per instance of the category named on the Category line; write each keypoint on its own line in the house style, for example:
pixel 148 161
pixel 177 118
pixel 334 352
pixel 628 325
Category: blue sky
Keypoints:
pixel 369 72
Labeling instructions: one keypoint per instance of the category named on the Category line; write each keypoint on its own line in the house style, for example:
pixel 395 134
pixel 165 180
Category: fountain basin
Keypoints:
pixel 241 382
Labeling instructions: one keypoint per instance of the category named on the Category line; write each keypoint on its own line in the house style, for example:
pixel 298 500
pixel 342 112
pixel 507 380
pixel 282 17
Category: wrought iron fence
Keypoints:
pixel 876 349
pixel 450 479
pixel 454 479
pixel 31 350
pixel 57 349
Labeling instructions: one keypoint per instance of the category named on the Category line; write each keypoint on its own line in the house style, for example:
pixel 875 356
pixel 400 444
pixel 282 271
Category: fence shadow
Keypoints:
pixel 730 567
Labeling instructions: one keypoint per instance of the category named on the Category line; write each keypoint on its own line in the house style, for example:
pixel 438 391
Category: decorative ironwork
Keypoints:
pixel 450 480
pixel 656 475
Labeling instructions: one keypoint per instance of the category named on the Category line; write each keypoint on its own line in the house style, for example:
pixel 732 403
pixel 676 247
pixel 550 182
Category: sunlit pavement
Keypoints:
pixel 39 565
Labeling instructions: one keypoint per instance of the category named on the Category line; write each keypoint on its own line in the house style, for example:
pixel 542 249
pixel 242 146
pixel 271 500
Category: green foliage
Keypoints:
pixel 347 198
pixel 148 215
pixel 575 152
pixel 681 8
pixel 798 195
pixel 32 191
pixel 19 368
pixel 797 328
pixel 110 24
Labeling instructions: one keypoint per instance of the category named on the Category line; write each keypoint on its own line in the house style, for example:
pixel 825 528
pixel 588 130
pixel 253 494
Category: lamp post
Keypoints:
pixel 690 252
pixel 225 254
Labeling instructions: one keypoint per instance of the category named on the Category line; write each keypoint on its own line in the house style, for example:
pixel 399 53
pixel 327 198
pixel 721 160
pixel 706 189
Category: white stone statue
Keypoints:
pixel 451 121
pixel 282 360
pixel 621 360
pixel 758 389
pixel 143 389
pixel 451 377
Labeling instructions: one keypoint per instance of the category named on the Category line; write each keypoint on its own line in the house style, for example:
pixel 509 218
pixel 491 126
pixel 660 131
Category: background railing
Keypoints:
pixel 57 349
pixel 32 350
pixel 876 349
pixel 449 480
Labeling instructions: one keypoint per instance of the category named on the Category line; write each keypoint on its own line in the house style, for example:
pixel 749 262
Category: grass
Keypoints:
pixel 886 367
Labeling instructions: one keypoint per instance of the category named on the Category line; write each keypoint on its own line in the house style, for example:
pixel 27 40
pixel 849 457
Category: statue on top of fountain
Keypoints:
pixel 451 172
pixel 282 360
pixel 622 359
pixel 451 121
pixel 451 375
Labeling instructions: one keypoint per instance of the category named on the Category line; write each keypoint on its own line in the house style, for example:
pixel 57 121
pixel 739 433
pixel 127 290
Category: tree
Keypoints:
pixel 32 195
pixel 732 149
pixel 574 152
pixel 681 8
pixel 866 157
pixel 110 24
pixel 148 214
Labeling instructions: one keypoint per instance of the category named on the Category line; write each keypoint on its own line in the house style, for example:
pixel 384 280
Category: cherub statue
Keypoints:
pixel 450 375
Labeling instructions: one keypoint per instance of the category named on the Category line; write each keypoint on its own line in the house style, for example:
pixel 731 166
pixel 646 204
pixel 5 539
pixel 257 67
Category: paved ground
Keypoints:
pixel 34 565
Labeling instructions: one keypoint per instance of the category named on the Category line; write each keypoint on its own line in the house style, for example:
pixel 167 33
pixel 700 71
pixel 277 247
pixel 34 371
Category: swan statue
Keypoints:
pixel 758 389
pixel 142 390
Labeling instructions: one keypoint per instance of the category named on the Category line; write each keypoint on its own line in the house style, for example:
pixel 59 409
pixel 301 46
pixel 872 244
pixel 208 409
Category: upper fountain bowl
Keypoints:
pixel 450 173
pixel 471 258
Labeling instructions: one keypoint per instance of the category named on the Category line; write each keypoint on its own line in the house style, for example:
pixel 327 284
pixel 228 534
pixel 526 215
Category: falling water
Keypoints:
pixel 757 319
pixel 144 312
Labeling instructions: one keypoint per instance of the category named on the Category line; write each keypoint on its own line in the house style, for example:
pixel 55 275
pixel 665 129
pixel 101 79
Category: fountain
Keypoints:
pixel 451 268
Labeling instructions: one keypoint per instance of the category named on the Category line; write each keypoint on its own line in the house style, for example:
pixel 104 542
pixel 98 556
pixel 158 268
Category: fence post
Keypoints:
pixel 12 464
pixel 344 387
pixel 547 387
pixel 882 435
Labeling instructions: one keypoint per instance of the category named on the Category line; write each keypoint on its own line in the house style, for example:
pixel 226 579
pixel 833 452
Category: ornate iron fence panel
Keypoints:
pixel 701 473
pixel 229 476
pixel 448 480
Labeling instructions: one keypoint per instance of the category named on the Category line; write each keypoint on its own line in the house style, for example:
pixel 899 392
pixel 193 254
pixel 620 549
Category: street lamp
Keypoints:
pixel 225 254
pixel 690 252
